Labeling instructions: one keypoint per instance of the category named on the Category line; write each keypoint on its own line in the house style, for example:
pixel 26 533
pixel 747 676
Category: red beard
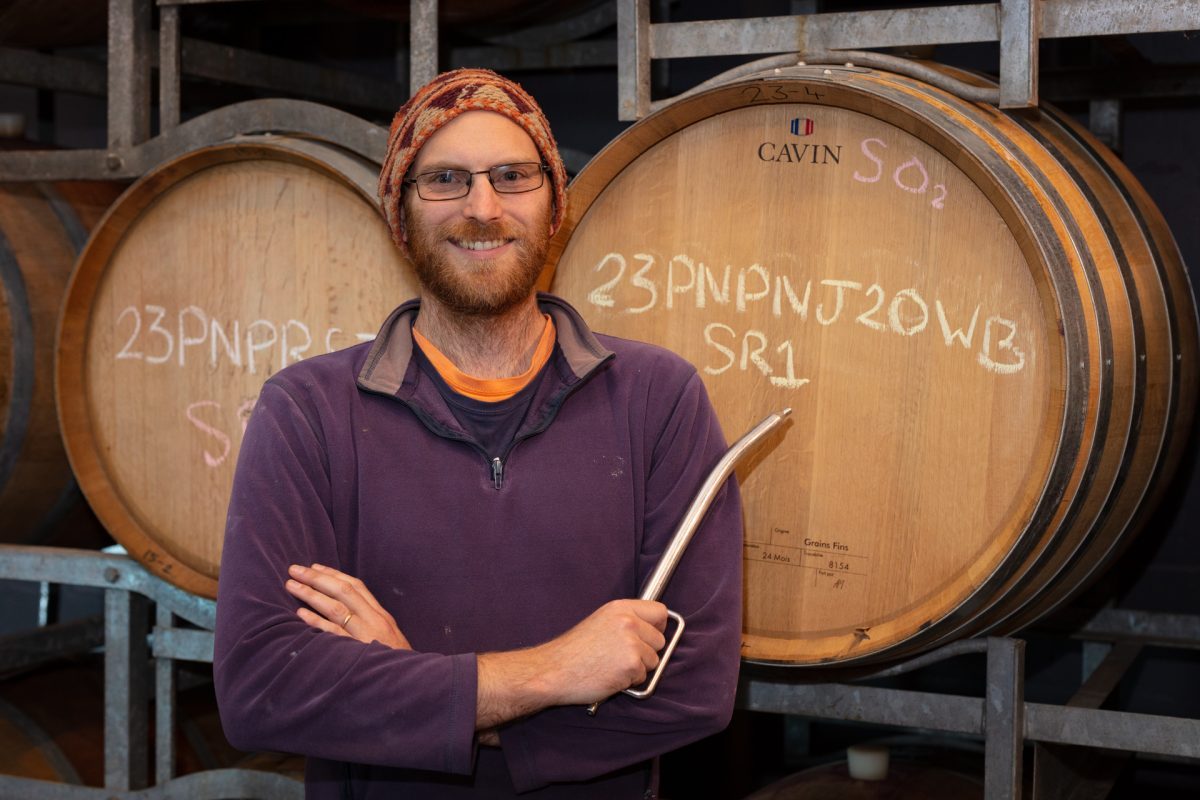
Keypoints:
pixel 488 287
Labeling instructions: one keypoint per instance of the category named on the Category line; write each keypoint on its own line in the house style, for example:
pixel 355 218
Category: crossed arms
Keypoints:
pixel 612 649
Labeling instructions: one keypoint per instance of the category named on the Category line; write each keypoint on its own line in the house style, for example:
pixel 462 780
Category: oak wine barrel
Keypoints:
pixel 208 275
pixel 980 320
pixel 42 228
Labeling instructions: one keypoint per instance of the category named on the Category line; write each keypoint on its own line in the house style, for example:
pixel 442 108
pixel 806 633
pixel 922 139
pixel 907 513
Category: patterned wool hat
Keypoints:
pixel 443 99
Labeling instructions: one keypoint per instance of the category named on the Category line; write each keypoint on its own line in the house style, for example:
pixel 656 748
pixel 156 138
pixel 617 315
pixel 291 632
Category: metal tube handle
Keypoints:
pixel 642 694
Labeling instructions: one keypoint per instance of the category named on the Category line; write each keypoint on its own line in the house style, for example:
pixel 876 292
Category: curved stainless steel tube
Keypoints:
pixel 687 527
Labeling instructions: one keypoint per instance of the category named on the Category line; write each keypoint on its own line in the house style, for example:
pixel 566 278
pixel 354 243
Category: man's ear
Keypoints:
pixel 403 224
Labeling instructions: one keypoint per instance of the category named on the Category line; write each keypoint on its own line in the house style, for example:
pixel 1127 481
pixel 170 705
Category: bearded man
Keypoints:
pixel 433 538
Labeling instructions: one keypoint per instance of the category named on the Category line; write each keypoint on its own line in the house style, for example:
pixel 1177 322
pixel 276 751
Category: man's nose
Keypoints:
pixel 483 202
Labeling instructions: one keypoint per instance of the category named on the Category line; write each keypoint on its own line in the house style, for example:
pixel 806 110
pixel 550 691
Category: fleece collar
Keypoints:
pixel 389 357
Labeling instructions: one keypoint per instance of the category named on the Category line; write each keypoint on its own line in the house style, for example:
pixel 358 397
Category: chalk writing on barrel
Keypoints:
pixel 910 176
pixel 757 290
pixel 259 346
pixel 216 420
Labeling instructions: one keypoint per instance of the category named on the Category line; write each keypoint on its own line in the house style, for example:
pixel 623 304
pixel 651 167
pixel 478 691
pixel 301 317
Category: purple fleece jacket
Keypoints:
pixel 354 460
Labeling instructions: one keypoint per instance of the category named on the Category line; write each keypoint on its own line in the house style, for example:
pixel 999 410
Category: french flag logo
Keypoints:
pixel 802 126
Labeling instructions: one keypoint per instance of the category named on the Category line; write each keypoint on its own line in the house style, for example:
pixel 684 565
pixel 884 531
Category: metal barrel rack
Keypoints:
pixel 1000 715
pixel 136 658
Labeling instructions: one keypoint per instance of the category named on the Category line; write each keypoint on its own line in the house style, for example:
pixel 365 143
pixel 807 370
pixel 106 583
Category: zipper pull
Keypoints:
pixel 498 472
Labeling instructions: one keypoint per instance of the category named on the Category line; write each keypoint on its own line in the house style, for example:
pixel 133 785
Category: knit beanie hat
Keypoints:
pixel 443 99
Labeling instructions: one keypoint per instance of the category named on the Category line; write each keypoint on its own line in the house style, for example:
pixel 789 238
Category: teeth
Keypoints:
pixel 481 245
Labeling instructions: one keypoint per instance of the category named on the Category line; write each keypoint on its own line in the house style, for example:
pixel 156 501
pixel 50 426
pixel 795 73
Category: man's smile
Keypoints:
pixel 480 245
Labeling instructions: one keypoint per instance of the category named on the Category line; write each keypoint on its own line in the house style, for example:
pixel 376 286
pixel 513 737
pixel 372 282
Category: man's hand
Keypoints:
pixel 612 649
pixel 343 605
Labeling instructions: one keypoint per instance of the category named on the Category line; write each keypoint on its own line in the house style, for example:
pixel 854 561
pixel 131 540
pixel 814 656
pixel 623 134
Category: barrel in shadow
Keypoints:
pixel 42 228
pixel 207 276
pixel 907 774
pixel 52 729
pixel 979 318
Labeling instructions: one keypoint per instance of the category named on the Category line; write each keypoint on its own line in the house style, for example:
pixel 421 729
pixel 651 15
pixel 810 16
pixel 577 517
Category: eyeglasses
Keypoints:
pixel 452 184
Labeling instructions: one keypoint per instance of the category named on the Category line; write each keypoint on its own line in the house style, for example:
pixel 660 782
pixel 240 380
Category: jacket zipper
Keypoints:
pixel 497 462
pixel 498 473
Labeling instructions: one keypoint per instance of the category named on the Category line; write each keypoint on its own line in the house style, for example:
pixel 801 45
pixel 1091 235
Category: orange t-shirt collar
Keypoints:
pixel 488 390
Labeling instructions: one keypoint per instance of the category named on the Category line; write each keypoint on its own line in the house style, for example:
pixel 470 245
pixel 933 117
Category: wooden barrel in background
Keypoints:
pixel 980 321
pixel 207 276
pixel 42 228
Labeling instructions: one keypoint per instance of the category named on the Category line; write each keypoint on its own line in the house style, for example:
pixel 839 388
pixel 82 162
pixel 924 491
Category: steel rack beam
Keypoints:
pixel 176 57
pixel 166 684
pixel 126 691
pixel 569 55
pixel 232 65
pixel 105 571
pixel 252 117
pixel 1004 718
pixel 1143 627
pixel 170 68
pixel 549 46
pixel 1016 24
pixel 585 23
pixel 1116 730
pixel 422 43
pixel 182 644
pixel 128 73
pixel 1020 23
pixel 1075 773
pixel 56 73
pixel 39 645
pixel 932 25
pixel 634 53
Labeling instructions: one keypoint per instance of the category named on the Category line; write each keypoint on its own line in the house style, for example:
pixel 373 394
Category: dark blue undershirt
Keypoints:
pixel 492 425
